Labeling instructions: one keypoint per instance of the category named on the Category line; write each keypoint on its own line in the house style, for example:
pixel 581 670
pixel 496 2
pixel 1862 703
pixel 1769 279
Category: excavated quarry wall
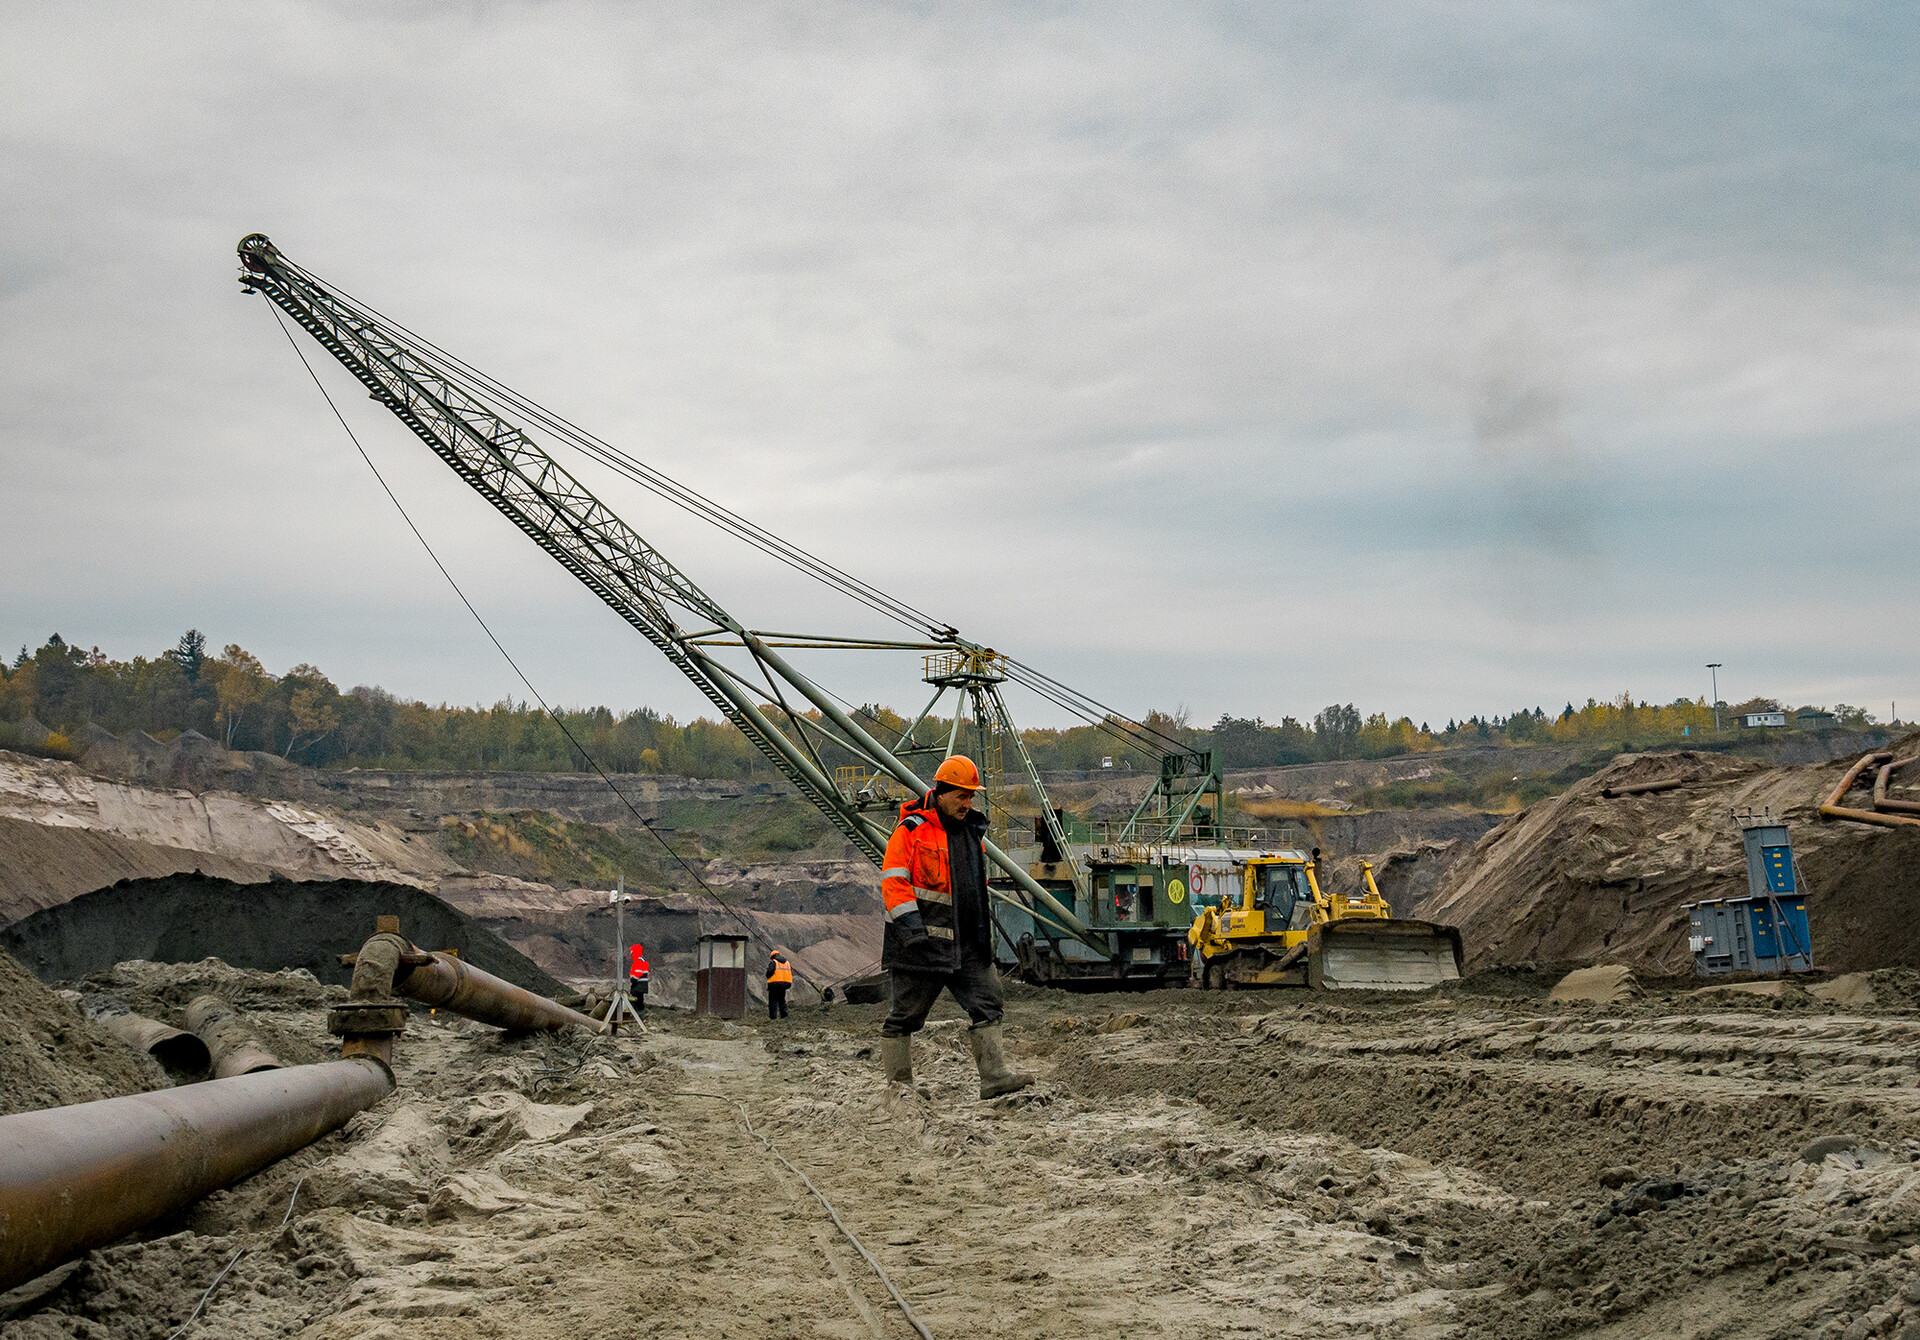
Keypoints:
pixel 197 764
pixel 270 926
pixel 1405 877
pixel 65 832
pixel 1581 878
pixel 1386 830
pixel 1311 781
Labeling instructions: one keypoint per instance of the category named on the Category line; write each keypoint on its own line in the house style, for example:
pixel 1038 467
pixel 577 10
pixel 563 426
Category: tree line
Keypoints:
pixel 301 715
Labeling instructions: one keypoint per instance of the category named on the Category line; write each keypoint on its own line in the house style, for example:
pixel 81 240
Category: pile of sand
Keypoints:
pixel 1581 876
pixel 1602 984
pixel 51 1054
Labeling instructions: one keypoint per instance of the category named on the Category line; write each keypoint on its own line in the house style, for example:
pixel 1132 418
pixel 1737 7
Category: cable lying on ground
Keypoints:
pixel 912 1320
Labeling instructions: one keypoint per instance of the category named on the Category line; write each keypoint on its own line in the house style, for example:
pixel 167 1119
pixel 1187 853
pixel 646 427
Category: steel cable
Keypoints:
pixel 284 1220
pixel 557 719
pixel 906 1311
pixel 484 388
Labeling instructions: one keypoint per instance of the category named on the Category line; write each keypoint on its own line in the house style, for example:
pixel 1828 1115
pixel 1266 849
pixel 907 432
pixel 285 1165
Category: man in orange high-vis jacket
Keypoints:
pixel 779 979
pixel 637 977
pixel 933 881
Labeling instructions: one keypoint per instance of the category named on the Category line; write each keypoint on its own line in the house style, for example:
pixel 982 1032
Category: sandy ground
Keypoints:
pixel 1479 1163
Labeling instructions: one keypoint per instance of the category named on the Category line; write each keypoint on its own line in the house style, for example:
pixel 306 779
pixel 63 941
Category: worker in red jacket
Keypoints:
pixel 934 883
pixel 637 978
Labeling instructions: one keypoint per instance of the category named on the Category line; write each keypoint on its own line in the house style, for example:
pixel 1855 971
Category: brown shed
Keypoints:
pixel 720 976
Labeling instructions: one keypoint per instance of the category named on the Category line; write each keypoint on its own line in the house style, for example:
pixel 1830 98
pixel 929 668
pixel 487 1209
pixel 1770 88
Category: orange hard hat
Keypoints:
pixel 958 771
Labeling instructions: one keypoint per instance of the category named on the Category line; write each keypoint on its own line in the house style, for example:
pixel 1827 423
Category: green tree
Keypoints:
pixel 190 654
pixel 1336 731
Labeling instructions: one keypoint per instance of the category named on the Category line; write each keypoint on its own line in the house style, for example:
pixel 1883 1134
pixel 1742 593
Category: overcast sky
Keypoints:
pixel 1439 358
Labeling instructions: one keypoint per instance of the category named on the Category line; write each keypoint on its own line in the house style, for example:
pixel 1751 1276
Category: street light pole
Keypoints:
pixel 1713 667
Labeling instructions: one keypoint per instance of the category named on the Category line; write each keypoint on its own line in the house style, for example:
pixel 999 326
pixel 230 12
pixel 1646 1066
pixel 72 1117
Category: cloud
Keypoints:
pixel 1422 358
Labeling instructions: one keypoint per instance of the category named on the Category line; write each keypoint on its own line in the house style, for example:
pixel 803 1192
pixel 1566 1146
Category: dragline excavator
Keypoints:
pixel 1074 904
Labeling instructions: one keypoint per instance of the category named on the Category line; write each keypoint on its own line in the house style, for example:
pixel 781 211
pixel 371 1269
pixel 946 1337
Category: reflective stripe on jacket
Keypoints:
pixel 916 884
pixel 778 973
pixel 639 968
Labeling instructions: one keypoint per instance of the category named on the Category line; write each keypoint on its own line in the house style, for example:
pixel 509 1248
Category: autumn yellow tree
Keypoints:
pixel 239 682
pixel 310 710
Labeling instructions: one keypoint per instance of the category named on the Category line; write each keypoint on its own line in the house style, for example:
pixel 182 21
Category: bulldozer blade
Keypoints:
pixel 1368 955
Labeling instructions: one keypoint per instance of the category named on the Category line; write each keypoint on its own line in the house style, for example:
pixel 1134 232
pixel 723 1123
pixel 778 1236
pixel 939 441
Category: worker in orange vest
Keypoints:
pixel 933 881
pixel 637 978
pixel 779 978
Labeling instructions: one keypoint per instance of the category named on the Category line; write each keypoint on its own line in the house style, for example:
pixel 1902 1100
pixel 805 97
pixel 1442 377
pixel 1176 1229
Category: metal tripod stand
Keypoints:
pixel 620 1009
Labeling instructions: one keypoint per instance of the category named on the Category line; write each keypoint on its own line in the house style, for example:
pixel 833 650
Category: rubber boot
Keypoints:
pixel 896 1055
pixel 903 1097
pixel 995 1077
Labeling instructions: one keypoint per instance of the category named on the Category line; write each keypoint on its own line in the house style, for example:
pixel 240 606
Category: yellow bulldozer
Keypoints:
pixel 1281 929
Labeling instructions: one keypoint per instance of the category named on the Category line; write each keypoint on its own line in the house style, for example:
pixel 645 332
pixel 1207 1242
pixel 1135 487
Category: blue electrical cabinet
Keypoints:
pixel 1765 931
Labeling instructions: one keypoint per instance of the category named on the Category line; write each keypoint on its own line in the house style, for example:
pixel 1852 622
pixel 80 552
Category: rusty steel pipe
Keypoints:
pixel 449 983
pixel 234 1049
pixel 175 1048
pixel 1643 788
pixel 1869 816
pixel 1883 801
pixel 75 1178
pixel 1833 809
pixel 1853 775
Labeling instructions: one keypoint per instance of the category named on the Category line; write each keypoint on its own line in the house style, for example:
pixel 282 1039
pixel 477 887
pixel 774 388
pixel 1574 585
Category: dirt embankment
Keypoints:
pixel 1581 877
pixel 1405 876
pixel 306 926
pixel 1383 830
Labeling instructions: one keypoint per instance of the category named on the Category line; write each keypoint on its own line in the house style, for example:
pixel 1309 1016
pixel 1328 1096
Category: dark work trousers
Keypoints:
pixel 776 1000
pixel 975 988
pixel 637 993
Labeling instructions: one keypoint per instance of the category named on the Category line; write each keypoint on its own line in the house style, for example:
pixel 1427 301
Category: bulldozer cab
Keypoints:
pixel 1283 893
pixel 1277 895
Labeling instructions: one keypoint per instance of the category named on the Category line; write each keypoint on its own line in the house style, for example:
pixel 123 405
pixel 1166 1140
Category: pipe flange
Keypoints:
pixel 367 1017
